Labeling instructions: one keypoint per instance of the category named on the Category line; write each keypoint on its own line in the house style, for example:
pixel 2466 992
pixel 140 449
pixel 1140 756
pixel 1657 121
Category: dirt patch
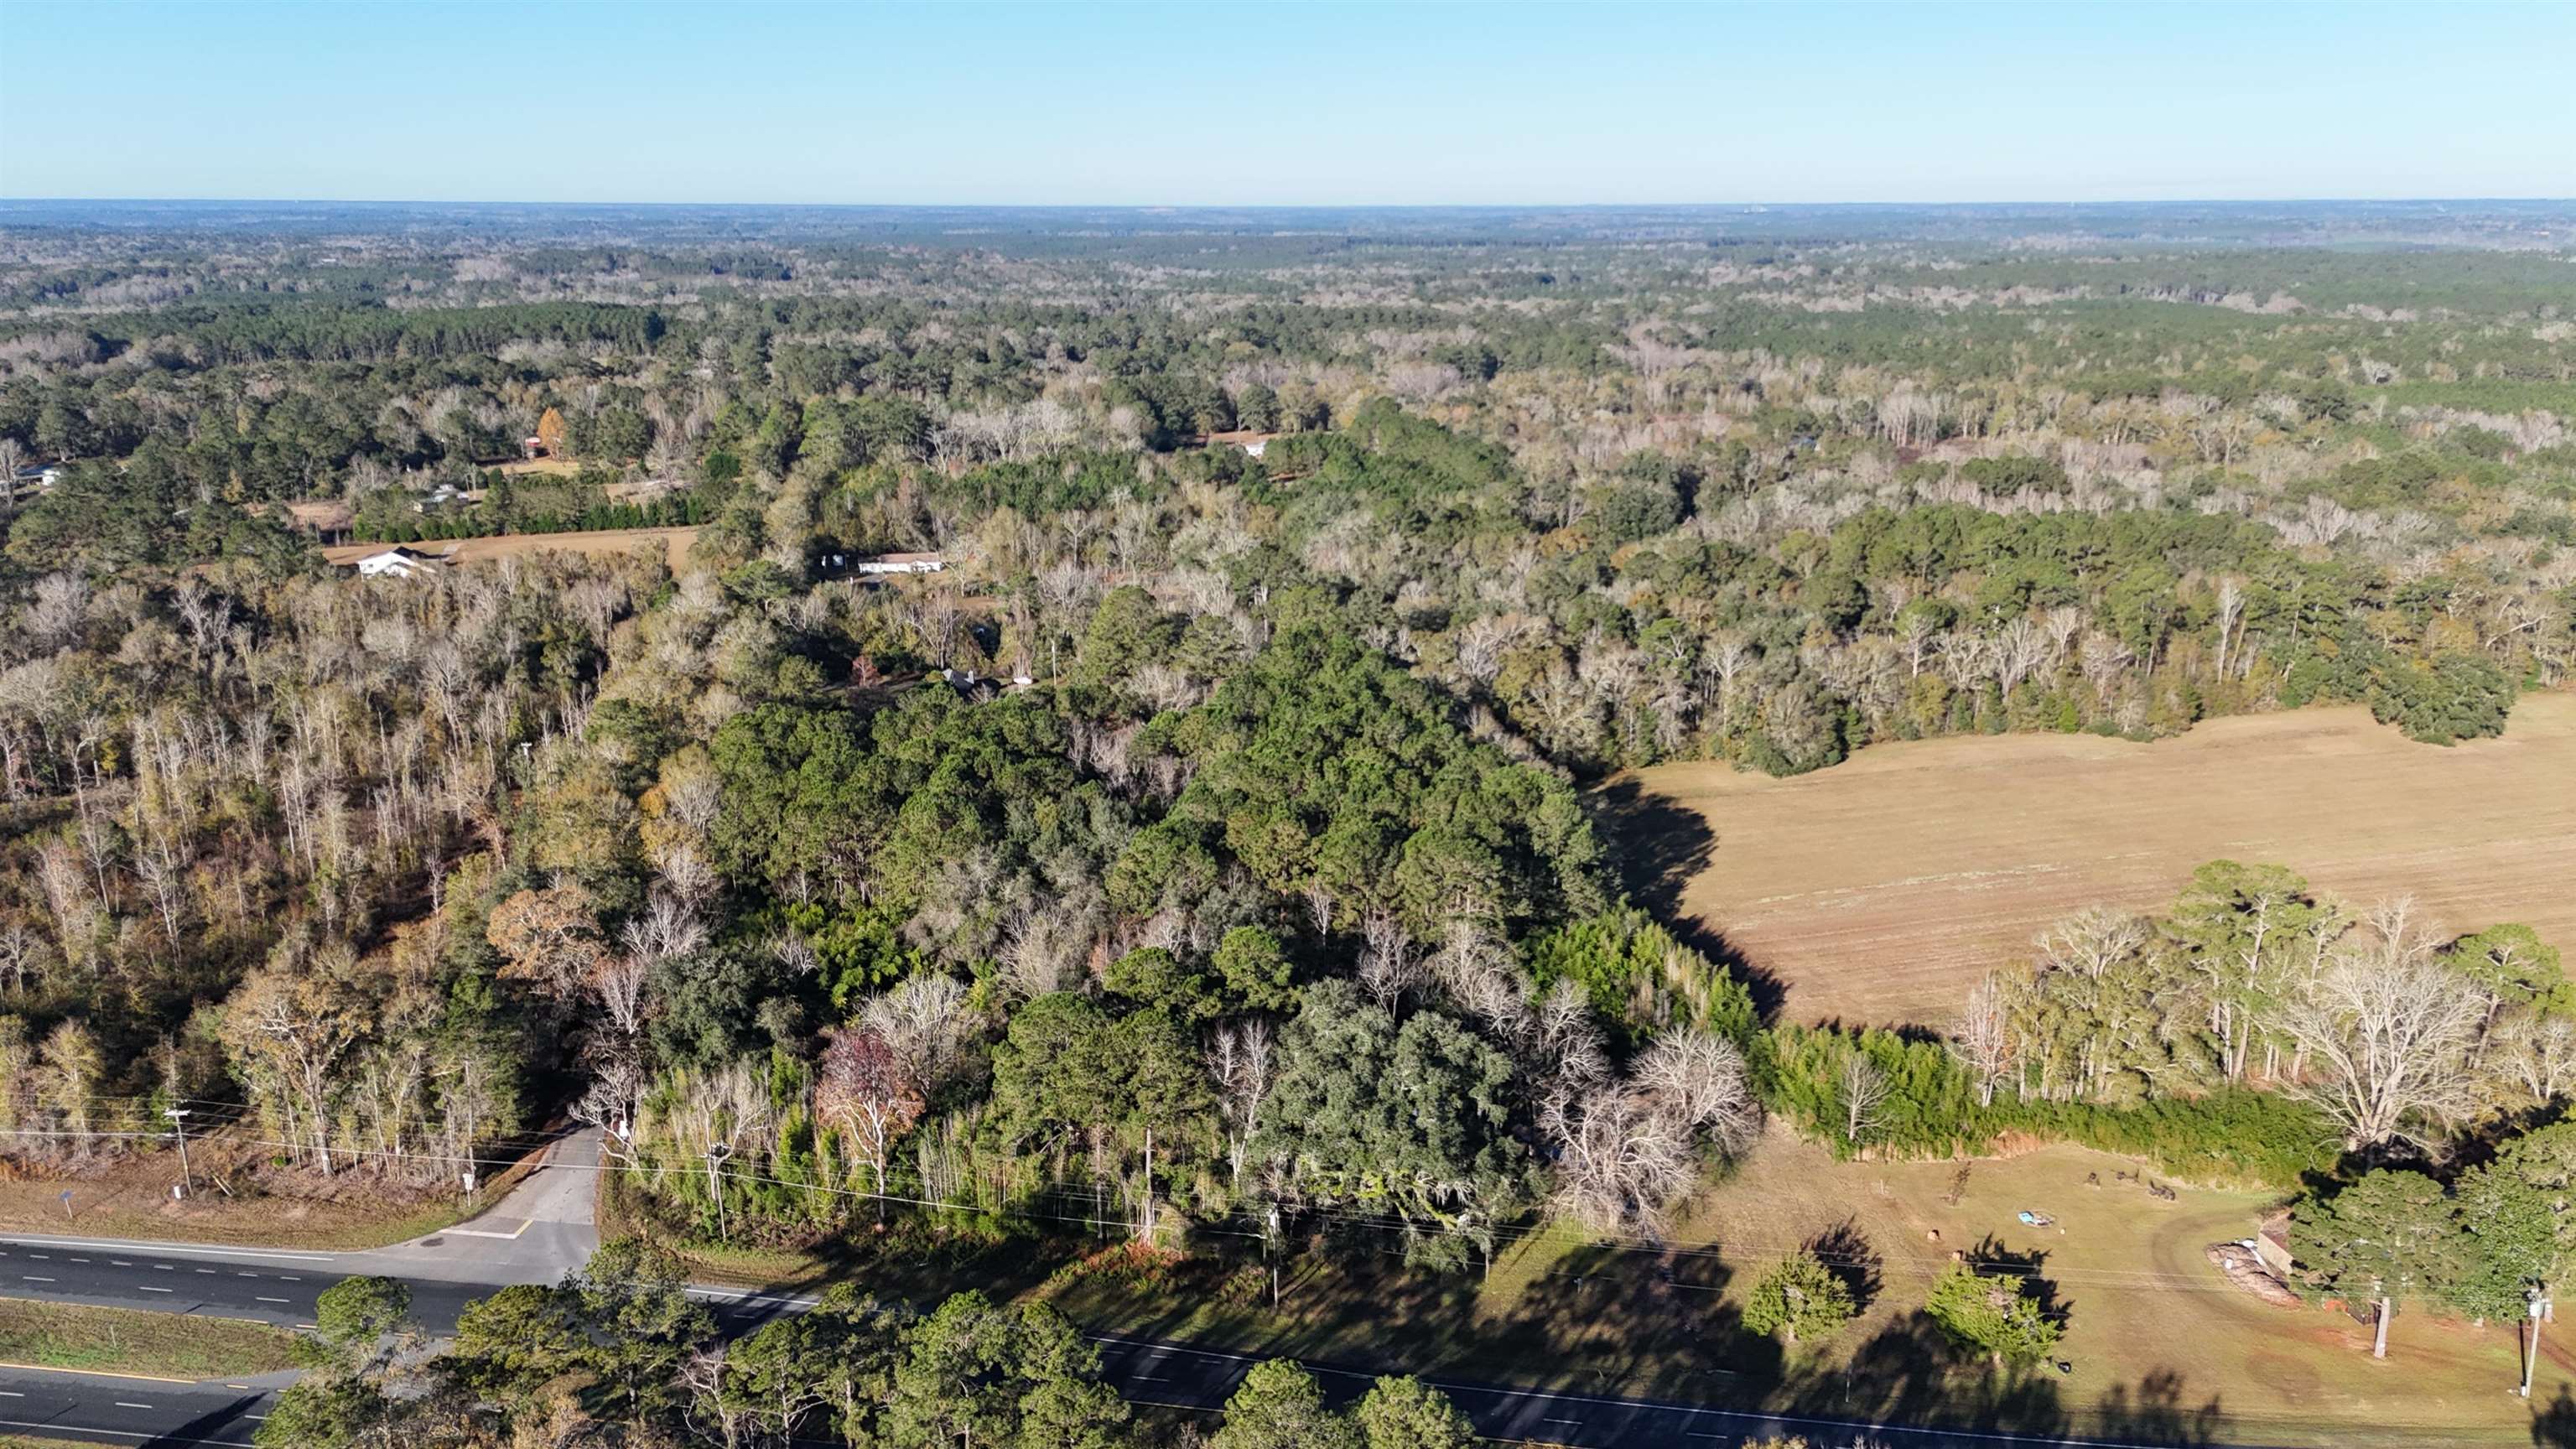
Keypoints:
pixel 2247 1272
pixel 479 550
pixel 1878 890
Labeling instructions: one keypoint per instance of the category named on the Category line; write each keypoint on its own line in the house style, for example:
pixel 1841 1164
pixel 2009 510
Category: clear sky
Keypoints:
pixel 1240 103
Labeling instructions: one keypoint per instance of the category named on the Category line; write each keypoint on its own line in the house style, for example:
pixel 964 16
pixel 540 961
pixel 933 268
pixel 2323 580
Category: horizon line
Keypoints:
pixel 2447 200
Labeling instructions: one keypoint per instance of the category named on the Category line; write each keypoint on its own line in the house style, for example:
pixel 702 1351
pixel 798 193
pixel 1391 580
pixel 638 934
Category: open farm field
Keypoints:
pixel 1878 890
pixel 479 550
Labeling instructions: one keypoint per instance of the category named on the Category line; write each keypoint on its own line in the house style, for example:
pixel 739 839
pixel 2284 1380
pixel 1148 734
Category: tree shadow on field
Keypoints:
pixel 2023 1269
pixel 1657 846
pixel 2154 1413
pixel 1911 1373
pixel 1848 1253
pixel 1622 1315
pixel 2555 1427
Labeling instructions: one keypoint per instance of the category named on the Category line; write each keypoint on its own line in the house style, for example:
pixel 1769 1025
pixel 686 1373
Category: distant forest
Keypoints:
pixel 1209 840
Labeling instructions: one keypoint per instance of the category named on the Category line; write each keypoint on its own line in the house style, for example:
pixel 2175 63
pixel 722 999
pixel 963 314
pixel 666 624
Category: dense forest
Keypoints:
pixel 1208 850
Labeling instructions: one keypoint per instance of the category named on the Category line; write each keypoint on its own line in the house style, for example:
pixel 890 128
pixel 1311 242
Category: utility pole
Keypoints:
pixel 2538 1297
pixel 179 1119
pixel 1149 1184
pixel 717 1152
pixel 1270 1248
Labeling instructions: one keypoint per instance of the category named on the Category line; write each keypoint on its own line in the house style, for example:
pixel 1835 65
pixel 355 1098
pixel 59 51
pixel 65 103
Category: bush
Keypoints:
pixel 1800 1298
pixel 1992 1316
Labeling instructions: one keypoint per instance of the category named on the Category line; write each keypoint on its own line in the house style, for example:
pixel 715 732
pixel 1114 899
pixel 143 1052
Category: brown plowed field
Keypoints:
pixel 1877 890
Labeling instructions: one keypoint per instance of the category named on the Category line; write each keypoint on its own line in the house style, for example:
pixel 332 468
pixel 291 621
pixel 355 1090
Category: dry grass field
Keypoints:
pixel 1877 890
pixel 478 550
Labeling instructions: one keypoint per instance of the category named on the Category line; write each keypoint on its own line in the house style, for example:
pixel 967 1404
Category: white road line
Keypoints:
pixel 149 1289
pixel 245 1275
pixel 32 1278
pixel 129 1404
pixel 274 1300
pixel 11 1394
pixel 120 1262
pixel 176 1250
pixel 209 1272
pixel 59 1426
pixel 163 1268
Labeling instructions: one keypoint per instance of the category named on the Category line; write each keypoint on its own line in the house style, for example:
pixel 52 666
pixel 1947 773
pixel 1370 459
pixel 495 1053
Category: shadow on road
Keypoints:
pixel 203 1428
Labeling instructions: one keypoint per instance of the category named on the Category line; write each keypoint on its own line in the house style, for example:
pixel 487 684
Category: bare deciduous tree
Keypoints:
pixel 924 1023
pixel 1983 1038
pixel 1241 1061
pixel 1861 1088
pixel 2387 1033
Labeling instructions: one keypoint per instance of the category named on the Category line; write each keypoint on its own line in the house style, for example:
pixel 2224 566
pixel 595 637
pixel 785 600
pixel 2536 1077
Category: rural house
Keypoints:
pixel 401 563
pixel 900 563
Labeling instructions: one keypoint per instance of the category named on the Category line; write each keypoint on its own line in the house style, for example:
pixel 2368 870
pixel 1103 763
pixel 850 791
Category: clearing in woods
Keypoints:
pixel 477 550
pixel 1876 891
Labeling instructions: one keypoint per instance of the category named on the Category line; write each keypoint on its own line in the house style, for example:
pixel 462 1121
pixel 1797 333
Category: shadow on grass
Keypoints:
pixel 1657 847
pixel 2023 1269
pixel 2555 1426
pixel 1597 1319
pixel 1911 1373
pixel 1848 1252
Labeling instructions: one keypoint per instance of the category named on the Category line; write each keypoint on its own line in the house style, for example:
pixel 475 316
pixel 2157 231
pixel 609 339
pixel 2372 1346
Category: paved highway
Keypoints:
pixel 111 1409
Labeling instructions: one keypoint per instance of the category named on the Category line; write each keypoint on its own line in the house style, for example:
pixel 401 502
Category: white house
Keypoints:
pixel 400 563
pixel 900 563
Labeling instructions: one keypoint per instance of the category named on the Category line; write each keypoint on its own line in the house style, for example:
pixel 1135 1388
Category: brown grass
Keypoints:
pixel 2144 1306
pixel 1876 891
pixel 478 550
pixel 127 1195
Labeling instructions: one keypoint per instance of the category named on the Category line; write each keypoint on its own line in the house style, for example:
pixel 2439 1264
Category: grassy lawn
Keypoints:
pixel 119 1340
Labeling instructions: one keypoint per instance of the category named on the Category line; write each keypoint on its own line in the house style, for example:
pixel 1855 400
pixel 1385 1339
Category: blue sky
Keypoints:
pixel 1285 104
